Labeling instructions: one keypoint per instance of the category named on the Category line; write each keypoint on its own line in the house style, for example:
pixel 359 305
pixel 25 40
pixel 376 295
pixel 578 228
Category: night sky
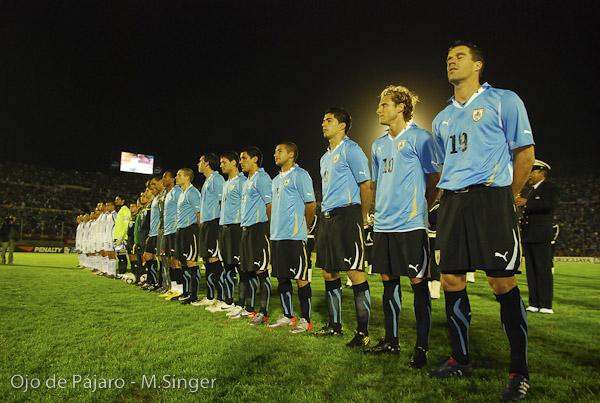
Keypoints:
pixel 80 80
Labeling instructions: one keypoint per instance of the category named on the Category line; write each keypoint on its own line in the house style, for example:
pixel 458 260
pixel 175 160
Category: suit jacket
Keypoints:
pixel 536 224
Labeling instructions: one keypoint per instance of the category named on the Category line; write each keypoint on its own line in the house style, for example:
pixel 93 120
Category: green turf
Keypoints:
pixel 61 321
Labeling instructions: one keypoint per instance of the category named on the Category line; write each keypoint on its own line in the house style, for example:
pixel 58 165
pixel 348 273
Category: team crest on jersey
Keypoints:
pixel 336 158
pixel 286 182
pixel 477 114
pixel 437 254
pixel 401 145
pixel 231 186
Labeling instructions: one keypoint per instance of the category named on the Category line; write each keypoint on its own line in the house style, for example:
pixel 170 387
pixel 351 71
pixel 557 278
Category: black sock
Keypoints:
pixel 230 281
pixel 159 275
pixel 171 275
pixel 265 291
pixel 217 270
pixel 392 306
pixel 195 280
pixel 422 305
pixel 153 271
pixel 243 289
pixel 334 303
pixel 134 268
pixel 285 296
pixel 252 289
pixel 514 320
pixel 362 304
pixel 305 295
pixel 210 281
pixel 458 313
pixel 178 274
pixel 122 264
pixel 186 273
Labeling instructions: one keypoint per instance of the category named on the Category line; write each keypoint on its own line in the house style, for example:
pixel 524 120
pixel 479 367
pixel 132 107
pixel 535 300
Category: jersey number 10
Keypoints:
pixel 388 165
pixel 463 142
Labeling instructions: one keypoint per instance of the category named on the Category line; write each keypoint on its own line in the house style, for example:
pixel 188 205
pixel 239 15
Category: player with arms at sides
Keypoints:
pixel 405 176
pixel 208 241
pixel 293 207
pixel 186 242
pixel 346 190
pixel 230 232
pixel 172 194
pixel 487 151
pixel 254 244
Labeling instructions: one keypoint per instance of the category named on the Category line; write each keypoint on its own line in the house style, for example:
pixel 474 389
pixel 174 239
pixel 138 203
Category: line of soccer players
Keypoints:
pixel 240 224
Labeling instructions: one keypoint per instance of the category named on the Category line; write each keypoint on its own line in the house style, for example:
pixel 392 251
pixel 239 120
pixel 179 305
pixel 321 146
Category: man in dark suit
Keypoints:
pixel 536 236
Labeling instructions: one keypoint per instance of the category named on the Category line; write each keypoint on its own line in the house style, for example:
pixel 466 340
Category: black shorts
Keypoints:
pixel 186 244
pixel 254 247
pixel 477 230
pixel 208 239
pixel 151 245
pixel 339 240
pixel 289 259
pixel 170 245
pixel 129 246
pixel 401 253
pixel 230 236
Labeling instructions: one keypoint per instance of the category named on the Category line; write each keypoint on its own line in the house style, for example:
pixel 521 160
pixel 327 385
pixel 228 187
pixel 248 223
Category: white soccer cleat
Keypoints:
pixel 532 309
pixel 206 302
pixel 216 307
pixel 235 311
pixel 284 321
pixel 242 314
pixel 302 326
pixel 225 307
pixel 546 311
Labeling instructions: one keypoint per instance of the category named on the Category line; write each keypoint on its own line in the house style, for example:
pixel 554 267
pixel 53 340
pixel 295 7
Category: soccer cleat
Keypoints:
pixel 546 311
pixel 196 303
pixel 173 296
pixel 187 301
pixel 328 331
pixel 532 309
pixel 183 297
pixel 302 326
pixel 235 311
pixel 205 301
pixel 242 314
pixel 516 388
pixel 225 307
pixel 419 358
pixel 164 294
pixel 359 340
pixel 259 319
pixel 161 290
pixel 216 307
pixel 450 367
pixel 384 347
pixel 284 321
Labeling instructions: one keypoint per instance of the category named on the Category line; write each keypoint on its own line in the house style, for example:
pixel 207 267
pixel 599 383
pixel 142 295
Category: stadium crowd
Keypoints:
pixel 47 208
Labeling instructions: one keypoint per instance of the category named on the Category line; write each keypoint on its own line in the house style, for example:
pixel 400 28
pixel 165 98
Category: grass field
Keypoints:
pixel 59 321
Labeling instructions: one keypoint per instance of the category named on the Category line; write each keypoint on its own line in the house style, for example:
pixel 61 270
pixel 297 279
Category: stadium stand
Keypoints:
pixel 46 202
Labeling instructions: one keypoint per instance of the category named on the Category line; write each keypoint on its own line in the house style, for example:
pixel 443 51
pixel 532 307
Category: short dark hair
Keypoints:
pixel 476 52
pixel 170 172
pixel 212 159
pixel 231 156
pixel 291 147
pixel 155 178
pixel 253 151
pixel 342 116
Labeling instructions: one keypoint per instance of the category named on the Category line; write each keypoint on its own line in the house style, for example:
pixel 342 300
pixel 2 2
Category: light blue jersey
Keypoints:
pixel 476 139
pixel 399 168
pixel 231 200
pixel 291 190
pixel 210 197
pixel 154 217
pixel 342 170
pixel 171 210
pixel 188 206
pixel 256 194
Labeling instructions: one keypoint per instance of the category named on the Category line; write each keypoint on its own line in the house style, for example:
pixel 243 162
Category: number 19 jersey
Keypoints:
pixel 476 139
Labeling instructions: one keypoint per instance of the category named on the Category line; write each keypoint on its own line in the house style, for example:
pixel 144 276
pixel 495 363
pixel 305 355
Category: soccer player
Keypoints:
pixel 208 241
pixel 293 206
pixel 186 242
pixel 487 152
pixel 173 192
pixel 346 202
pixel 142 229
pixel 133 209
pixel 108 245
pixel 120 231
pixel 149 257
pixel 404 180
pixel 230 232
pixel 254 244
